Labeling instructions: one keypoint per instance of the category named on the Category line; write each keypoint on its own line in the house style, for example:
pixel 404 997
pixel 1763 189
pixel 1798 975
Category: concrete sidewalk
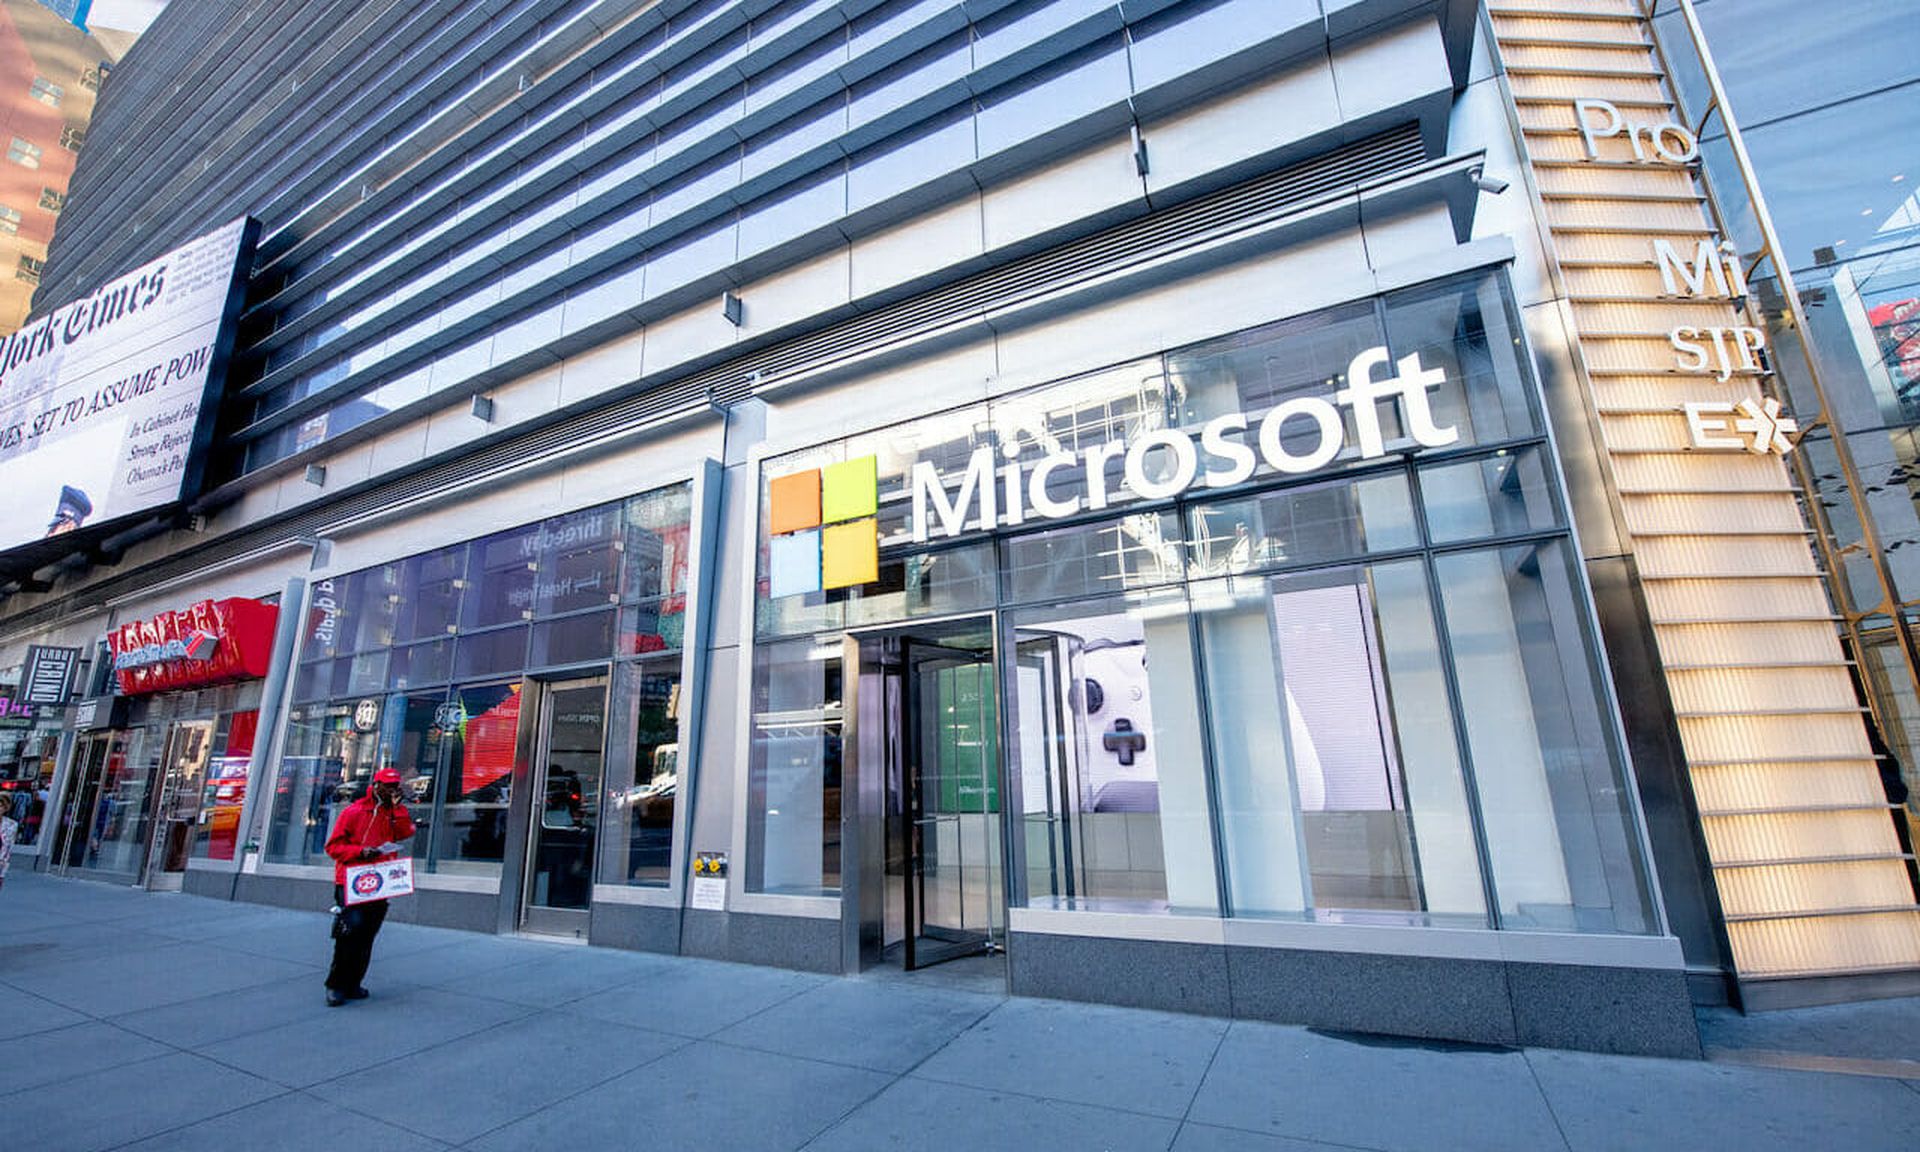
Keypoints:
pixel 136 1020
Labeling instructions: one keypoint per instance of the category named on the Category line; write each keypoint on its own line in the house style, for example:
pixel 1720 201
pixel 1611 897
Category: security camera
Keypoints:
pixel 1486 183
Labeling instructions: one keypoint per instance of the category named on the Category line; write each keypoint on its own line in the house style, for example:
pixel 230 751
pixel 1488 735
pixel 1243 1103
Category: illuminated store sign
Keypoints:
pixel 983 503
pixel 212 642
pixel 823 531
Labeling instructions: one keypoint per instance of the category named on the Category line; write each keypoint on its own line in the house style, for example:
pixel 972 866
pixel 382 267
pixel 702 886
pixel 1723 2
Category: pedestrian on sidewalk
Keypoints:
pixel 9 828
pixel 369 830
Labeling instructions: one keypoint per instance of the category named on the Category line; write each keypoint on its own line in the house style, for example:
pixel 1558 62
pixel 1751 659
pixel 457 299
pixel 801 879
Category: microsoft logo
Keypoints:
pixel 822 528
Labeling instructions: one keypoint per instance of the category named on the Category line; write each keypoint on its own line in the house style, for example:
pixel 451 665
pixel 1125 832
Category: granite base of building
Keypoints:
pixel 217 885
pixel 635 927
pixel 466 911
pixel 801 942
pixel 1635 1011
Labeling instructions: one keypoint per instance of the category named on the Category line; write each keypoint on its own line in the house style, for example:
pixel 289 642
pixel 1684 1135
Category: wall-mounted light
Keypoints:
pixel 483 409
pixel 317 475
pixel 732 309
pixel 1140 164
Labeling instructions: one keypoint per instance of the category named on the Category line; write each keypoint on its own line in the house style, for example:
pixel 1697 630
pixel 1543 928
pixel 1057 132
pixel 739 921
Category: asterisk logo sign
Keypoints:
pixel 1756 426
pixel 1770 430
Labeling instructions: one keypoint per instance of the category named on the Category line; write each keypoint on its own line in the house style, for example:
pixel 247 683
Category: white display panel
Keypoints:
pixel 101 400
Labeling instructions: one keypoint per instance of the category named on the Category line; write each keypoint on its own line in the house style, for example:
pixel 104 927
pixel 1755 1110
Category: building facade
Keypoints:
pixel 53 71
pixel 1257 507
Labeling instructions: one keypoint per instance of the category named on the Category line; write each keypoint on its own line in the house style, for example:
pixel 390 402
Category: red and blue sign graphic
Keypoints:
pixel 212 642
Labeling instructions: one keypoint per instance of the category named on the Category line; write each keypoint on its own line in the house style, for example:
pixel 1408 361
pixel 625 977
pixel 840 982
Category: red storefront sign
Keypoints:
pixel 212 642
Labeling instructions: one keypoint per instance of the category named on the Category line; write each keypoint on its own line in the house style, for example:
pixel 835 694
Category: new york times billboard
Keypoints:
pixel 107 403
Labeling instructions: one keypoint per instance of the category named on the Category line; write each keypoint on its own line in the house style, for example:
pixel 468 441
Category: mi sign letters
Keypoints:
pixel 986 497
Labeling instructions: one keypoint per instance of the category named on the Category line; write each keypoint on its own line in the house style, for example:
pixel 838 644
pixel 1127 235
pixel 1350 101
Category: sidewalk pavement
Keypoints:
pixel 138 1020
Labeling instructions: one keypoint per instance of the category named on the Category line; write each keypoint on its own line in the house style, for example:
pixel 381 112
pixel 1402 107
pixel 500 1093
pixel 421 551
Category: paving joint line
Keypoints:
pixel 897 1077
pixel 1534 1074
pixel 676 1049
pixel 1199 1085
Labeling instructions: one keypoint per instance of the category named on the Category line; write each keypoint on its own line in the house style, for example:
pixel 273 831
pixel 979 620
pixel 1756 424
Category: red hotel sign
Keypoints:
pixel 212 642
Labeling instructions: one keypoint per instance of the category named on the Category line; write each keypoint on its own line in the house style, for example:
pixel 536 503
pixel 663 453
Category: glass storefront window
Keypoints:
pixel 437 643
pixel 224 786
pixel 121 819
pixel 1113 791
pixel 430 594
pixel 1274 638
pixel 1465 329
pixel 1508 493
pixel 1309 524
pixel 325 766
pixel 643 775
pixel 793 769
pixel 475 782
pixel 1559 824
pixel 1137 551
pixel 1339 778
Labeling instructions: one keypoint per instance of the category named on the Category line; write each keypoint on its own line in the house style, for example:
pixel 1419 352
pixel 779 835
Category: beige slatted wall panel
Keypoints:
pixel 1805 856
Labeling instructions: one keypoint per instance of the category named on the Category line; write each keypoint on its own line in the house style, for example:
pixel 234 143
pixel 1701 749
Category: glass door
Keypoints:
pixel 76 807
pixel 951 775
pixel 569 763
pixel 115 822
pixel 184 770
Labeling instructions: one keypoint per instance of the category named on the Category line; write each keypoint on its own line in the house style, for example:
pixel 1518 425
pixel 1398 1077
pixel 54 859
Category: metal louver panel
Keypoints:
pixel 665 398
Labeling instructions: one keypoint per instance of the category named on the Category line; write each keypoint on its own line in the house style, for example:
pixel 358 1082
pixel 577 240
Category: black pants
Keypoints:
pixel 353 946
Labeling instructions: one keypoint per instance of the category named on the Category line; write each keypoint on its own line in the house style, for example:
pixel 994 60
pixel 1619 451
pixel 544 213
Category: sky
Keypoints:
pixel 125 15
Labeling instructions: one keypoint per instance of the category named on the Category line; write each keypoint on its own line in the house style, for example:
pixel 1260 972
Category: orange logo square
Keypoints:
pixel 795 502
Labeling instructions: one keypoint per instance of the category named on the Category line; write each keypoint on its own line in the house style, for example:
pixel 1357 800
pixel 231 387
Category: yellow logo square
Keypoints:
pixel 850 554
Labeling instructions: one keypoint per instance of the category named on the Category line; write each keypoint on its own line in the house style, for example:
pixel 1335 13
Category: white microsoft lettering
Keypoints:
pixel 975 483
pixel 1012 494
pixel 1214 442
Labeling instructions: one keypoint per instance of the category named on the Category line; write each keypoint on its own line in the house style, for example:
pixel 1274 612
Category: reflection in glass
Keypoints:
pixel 643 776
pixel 224 786
pixel 1499 495
pixel 560 867
pixel 1308 524
pixel 1559 825
pixel 1463 327
pixel 793 770
pixel 118 835
pixel 470 809
pixel 1142 550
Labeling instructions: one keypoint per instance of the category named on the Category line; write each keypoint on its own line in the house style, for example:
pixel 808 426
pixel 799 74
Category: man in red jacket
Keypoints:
pixel 364 827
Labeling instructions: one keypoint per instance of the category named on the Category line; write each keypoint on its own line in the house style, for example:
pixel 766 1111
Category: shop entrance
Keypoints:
pixel 107 811
pixel 931 885
pixel 569 762
pixel 184 771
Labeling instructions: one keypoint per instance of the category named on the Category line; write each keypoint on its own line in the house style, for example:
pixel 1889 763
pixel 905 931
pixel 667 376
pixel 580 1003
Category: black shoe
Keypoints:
pixel 335 999
pixel 358 994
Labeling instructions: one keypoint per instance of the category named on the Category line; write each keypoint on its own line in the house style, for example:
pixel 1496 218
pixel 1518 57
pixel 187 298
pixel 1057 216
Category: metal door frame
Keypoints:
pixel 540 919
pixel 911 718
pixel 64 803
pixel 863 829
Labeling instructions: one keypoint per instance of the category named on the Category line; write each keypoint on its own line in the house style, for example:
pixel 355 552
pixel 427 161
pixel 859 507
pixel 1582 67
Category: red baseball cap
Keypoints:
pixel 387 776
